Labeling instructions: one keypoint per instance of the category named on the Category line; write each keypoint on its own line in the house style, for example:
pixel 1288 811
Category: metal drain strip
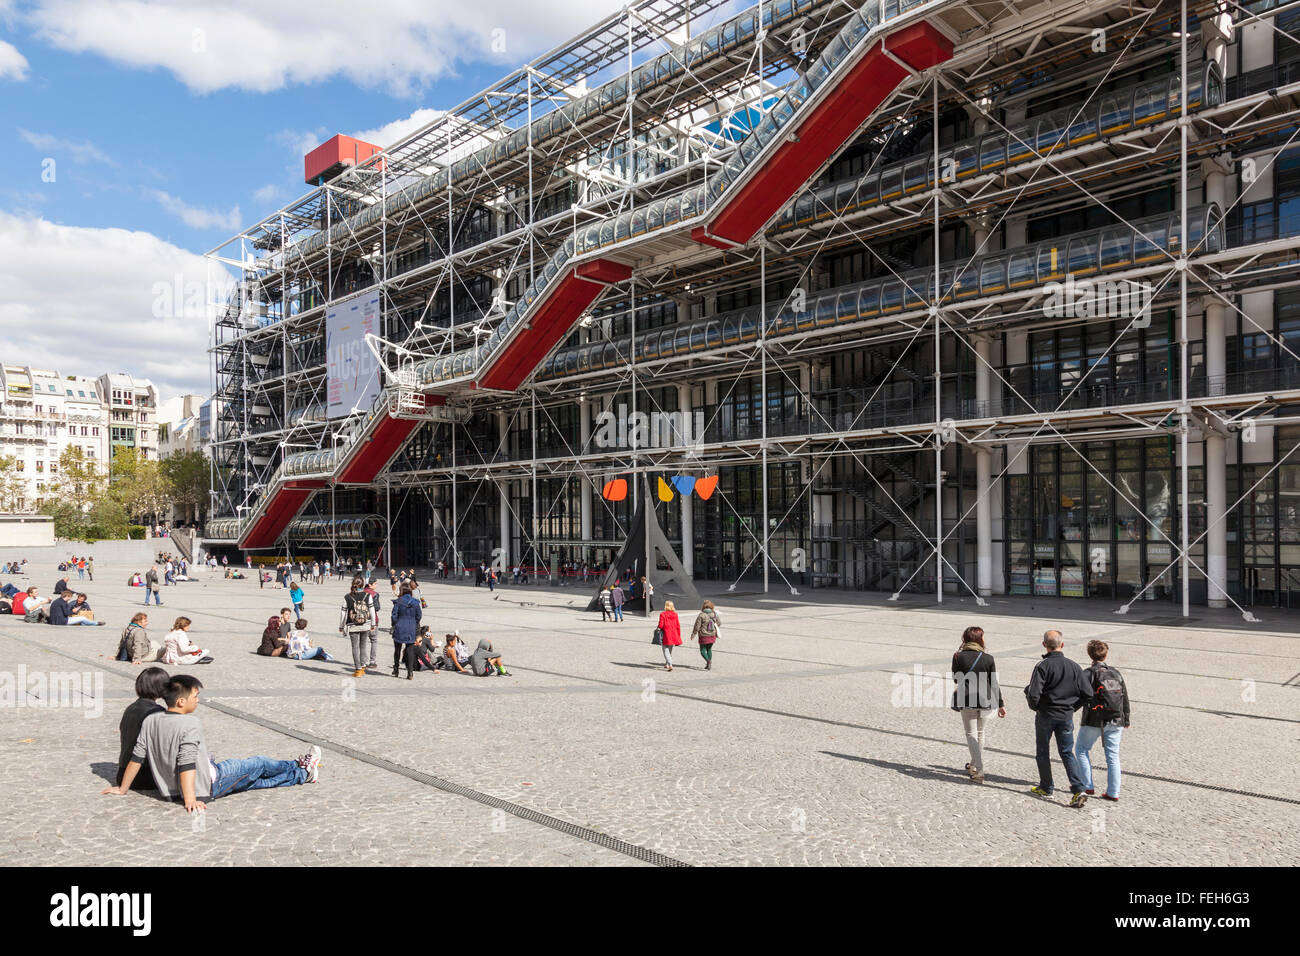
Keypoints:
pixel 603 840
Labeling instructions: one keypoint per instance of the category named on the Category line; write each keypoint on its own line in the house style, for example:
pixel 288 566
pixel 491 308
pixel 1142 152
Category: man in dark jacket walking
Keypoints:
pixel 1105 715
pixel 1056 690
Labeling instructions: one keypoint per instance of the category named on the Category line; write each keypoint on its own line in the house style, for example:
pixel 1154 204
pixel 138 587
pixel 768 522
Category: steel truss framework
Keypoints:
pixel 468 250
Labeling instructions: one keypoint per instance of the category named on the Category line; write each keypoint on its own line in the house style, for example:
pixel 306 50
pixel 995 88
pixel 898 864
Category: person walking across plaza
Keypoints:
pixel 151 586
pixel 406 628
pixel 373 597
pixel 976 695
pixel 1104 716
pixel 296 598
pixel 616 599
pixel 707 629
pixel 1057 688
pixel 358 620
pixel 671 629
pixel 606 604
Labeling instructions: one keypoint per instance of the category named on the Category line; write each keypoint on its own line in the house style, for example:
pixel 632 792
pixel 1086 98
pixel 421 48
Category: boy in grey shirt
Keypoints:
pixel 172 740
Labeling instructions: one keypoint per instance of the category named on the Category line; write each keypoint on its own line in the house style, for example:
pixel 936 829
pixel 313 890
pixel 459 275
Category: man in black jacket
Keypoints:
pixel 1105 716
pixel 1056 690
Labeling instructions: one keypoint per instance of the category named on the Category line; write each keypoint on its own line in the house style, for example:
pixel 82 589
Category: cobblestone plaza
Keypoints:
pixel 821 736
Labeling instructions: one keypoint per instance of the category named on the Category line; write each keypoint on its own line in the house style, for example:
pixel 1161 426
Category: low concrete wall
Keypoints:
pixel 26 531
pixel 134 554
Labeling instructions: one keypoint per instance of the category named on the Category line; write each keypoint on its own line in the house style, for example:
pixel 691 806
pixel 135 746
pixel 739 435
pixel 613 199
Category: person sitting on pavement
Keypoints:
pixel 486 661
pixel 428 653
pixel 81 608
pixel 173 745
pixel 275 636
pixel 179 649
pixel 300 646
pixel 29 602
pixel 455 653
pixel 150 684
pixel 136 646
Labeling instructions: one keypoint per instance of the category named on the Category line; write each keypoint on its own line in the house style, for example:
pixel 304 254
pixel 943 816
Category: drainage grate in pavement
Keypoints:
pixel 478 796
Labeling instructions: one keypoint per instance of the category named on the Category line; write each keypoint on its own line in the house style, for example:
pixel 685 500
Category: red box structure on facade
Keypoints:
pixel 333 156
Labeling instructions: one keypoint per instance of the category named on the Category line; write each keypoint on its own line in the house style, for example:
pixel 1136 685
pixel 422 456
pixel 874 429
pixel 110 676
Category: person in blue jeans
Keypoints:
pixel 297 597
pixel 618 597
pixel 1057 688
pixel 1104 717
pixel 173 743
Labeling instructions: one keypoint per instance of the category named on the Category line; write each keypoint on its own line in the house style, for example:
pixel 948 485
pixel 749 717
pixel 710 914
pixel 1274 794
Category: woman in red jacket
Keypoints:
pixel 672 630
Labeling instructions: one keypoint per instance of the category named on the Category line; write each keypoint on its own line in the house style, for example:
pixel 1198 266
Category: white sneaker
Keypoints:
pixel 310 762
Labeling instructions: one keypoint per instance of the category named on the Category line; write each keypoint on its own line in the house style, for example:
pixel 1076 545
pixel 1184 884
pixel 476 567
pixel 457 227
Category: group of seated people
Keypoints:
pixel 14 567
pixel 453 654
pixel 69 607
pixel 138 647
pixel 283 638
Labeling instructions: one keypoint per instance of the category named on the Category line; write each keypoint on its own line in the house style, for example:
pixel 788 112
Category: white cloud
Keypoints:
pixel 197 218
pixel 88 301
pixel 268 193
pixel 13 65
pixel 388 134
pixel 84 152
pixel 254 45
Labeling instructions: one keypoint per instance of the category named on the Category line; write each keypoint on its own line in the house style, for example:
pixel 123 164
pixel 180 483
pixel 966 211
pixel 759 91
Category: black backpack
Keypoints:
pixel 1107 693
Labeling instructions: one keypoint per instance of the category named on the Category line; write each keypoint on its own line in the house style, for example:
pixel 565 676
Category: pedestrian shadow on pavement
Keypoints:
pixel 652 667
pixel 933 772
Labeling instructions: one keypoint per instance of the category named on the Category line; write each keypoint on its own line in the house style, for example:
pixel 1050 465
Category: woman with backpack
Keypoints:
pixel 669 630
pixel 977 692
pixel 406 628
pixel 1103 718
pixel 357 619
pixel 707 628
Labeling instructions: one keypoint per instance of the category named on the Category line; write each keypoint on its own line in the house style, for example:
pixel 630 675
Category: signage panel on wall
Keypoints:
pixel 354 380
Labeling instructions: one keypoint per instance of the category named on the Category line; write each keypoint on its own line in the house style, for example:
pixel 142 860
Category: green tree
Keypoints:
pixel 139 485
pixel 13 486
pixel 189 474
pixel 75 495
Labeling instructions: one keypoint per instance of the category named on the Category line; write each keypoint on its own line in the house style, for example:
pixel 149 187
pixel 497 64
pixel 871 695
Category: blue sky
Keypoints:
pixel 171 125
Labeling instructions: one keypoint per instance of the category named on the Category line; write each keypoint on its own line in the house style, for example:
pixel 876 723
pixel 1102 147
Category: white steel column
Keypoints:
pixel 1216 446
pixel 503 432
pixel 686 503
pixel 1216 463
pixel 983 478
pixel 584 482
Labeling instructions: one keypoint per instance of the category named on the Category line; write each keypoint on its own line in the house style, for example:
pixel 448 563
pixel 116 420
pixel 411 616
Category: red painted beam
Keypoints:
pixel 569 298
pixel 604 270
pixel 284 504
pixel 835 119
pixel 374 451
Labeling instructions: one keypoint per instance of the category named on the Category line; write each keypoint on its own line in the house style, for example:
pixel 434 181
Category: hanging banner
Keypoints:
pixel 354 380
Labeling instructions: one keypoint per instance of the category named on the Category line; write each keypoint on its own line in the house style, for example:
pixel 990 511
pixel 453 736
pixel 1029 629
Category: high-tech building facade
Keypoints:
pixel 958 298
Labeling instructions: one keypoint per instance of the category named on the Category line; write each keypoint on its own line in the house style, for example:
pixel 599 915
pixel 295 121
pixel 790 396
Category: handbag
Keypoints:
pixel 970 671
pixel 658 636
